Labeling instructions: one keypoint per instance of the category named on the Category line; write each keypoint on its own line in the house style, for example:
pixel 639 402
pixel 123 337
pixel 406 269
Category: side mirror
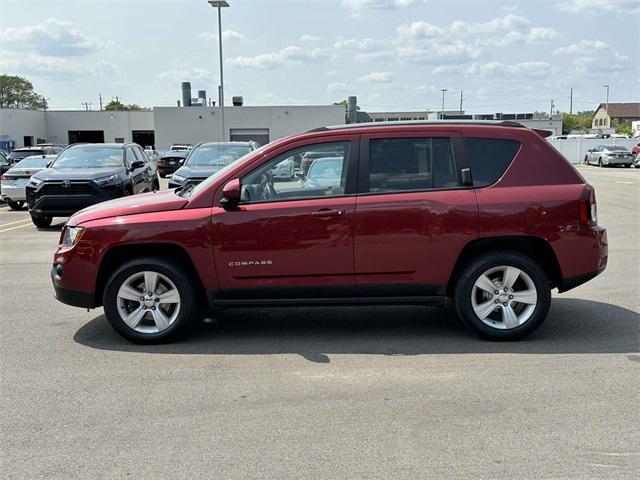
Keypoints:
pixel 181 161
pixel 231 193
pixel 49 164
pixel 137 164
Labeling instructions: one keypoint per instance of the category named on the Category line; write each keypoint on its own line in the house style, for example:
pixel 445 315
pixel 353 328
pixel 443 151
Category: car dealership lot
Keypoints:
pixel 324 392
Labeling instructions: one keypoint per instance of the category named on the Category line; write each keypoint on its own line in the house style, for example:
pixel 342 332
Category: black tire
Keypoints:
pixel 156 185
pixel 586 160
pixel 177 274
pixel 600 163
pixel 15 205
pixel 162 174
pixel 485 262
pixel 41 221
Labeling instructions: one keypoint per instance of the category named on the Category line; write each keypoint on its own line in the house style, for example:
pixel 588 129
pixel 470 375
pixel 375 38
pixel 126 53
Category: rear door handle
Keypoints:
pixel 326 212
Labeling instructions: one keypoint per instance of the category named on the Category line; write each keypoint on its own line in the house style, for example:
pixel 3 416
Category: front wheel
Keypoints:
pixel 15 205
pixel 41 221
pixel 600 162
pixel 149 300
pixel 503 295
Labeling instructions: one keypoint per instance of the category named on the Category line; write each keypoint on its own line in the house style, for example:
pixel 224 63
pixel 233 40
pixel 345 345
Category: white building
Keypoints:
pixel 164 125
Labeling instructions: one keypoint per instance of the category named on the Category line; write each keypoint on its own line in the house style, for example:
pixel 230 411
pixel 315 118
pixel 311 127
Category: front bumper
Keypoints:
pixel 74 298
pixel 63 205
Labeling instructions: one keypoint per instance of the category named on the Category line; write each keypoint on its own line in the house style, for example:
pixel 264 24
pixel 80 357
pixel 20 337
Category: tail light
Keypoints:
pixel 588 207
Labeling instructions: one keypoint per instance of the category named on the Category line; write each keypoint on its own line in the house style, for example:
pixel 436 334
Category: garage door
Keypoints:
pixel 258 135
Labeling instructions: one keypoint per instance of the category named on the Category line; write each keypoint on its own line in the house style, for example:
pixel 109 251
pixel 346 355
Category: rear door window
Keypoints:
pixel 489 158
pixel 406 164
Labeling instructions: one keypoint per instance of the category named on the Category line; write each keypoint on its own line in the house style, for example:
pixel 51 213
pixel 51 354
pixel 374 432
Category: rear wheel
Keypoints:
pixel 15 205
pixel 162 174
pixel 41 221
pixel 156 184
pixel 600 162
pixel 503 295
pixel 149 300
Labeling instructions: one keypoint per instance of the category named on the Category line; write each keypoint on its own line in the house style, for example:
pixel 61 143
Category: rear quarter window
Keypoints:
pixel 489 158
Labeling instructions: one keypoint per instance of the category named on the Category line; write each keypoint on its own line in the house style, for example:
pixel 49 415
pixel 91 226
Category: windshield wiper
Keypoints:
pixel 186 190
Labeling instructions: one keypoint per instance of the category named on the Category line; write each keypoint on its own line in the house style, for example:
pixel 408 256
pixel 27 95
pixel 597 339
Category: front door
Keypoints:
pixel 413 217
pixel 291 236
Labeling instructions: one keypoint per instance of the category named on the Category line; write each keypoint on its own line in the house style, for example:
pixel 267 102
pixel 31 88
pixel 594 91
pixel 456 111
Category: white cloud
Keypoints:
pixel 291 55
pixel 184 73
pixel 420 29
pixel 542 34
pixel 104 69
pixel 337 87
pixel 377 77
pixel 357 5
pixel 309 38
pixel 448 69
pixel 497 25
pixel 227 36
pixel 622 7
pixel 357 44
pixel 522 69
pixel 52 37
pixel 583 47
pixel 55 68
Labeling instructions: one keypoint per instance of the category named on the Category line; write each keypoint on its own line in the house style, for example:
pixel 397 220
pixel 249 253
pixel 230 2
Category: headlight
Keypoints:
pixel 71 235
pixel 178 178
pixel 105 180
pixel 35 181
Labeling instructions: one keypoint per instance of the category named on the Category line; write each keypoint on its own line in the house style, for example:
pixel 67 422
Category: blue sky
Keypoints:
pixel 393 54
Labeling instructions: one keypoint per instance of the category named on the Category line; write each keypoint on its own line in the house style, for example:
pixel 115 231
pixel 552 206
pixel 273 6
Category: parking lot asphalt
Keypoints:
pixel 382 392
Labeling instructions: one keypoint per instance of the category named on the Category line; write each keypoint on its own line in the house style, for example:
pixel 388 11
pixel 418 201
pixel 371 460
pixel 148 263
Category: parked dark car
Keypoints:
pixel 85 174
pixel 207 158
pixel 487 215
pixel 19 153
pixel 169 162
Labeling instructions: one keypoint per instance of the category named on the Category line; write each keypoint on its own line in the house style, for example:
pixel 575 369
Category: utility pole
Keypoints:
pixel 551 111
pixel 117 99
pixel 571 101
pixel 219 4
pixel 460 102
pixel 86 105
pixel 100 96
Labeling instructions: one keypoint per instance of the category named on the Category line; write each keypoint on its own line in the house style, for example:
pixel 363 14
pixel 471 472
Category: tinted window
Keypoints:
pixel 217 155
pixel 489 158
pixel 400 164
pixel 313 171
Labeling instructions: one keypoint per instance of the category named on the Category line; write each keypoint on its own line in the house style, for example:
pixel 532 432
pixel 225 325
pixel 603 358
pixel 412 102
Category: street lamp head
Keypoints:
pixel 218 3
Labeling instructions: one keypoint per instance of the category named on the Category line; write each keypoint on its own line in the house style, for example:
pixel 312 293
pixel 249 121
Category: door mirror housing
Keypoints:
pixel 137 164
pixel 181 161
pixel 231 193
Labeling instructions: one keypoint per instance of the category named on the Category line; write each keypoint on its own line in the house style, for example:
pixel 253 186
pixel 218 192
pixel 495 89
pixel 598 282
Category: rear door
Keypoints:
pixel 413 217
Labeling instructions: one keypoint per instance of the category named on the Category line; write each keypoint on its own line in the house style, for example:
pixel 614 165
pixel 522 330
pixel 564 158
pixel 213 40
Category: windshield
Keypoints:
pixel 212 178
pixel 90 157
pixel 217 155
pixel 33 162
pixel 19 155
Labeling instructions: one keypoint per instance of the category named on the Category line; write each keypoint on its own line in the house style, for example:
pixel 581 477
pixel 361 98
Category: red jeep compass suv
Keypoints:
pixel 486 214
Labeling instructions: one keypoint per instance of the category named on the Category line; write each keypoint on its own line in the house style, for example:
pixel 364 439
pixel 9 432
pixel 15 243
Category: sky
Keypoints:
pixel 394 55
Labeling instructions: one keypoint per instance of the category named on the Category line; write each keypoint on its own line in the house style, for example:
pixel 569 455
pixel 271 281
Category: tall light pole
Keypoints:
pixel 219 4
pixel 442 111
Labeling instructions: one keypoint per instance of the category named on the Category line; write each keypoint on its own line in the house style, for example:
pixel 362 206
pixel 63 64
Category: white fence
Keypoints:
pixel 576 148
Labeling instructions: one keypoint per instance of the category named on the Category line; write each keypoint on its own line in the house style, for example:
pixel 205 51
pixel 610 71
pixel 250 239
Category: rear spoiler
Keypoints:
pixel 542 133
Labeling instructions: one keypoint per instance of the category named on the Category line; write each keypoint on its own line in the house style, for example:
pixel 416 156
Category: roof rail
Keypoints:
pixel 502 123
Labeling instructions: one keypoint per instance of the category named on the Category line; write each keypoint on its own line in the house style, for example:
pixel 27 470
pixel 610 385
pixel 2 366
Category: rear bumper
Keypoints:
pixel 592 254
pixel 71 297
pixel 13 194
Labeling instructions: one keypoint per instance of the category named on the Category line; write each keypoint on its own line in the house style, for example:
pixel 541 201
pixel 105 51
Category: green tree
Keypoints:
pixel 580 121
pixel 119 106
pixel 622 128
pixel 17 92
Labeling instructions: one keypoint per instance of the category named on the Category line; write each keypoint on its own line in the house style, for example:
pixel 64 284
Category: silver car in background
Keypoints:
pixel 608 155
pixel 14 181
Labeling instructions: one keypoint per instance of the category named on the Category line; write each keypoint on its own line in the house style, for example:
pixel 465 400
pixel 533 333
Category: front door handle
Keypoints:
pixel 326 212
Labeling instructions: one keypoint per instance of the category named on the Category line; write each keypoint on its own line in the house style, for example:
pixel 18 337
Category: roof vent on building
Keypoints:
pixel 237 101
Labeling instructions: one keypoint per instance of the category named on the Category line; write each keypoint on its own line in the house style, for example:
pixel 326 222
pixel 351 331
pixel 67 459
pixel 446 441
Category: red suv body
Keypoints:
pixel 489 215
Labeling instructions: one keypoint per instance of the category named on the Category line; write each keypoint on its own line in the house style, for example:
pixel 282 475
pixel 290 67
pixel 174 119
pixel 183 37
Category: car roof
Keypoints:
pixel 211 144
pixel 102 145
pixel 27 149
pixel 367 125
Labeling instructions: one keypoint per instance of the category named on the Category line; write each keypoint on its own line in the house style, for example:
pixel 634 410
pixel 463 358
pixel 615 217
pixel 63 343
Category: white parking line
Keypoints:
pixel 13 228
pixel 626 183
pixel 13 223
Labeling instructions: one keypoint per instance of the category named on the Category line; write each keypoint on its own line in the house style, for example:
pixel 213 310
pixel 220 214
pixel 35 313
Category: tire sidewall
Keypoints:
pixel 172 271
pixel 495 259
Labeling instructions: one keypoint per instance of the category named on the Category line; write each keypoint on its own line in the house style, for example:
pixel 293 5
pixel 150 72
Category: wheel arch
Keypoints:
pixel 117 255
pixel 536 248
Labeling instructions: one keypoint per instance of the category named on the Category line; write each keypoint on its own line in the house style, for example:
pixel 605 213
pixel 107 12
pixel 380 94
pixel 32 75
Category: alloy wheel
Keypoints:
pixel 148 302
pixel 504 297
